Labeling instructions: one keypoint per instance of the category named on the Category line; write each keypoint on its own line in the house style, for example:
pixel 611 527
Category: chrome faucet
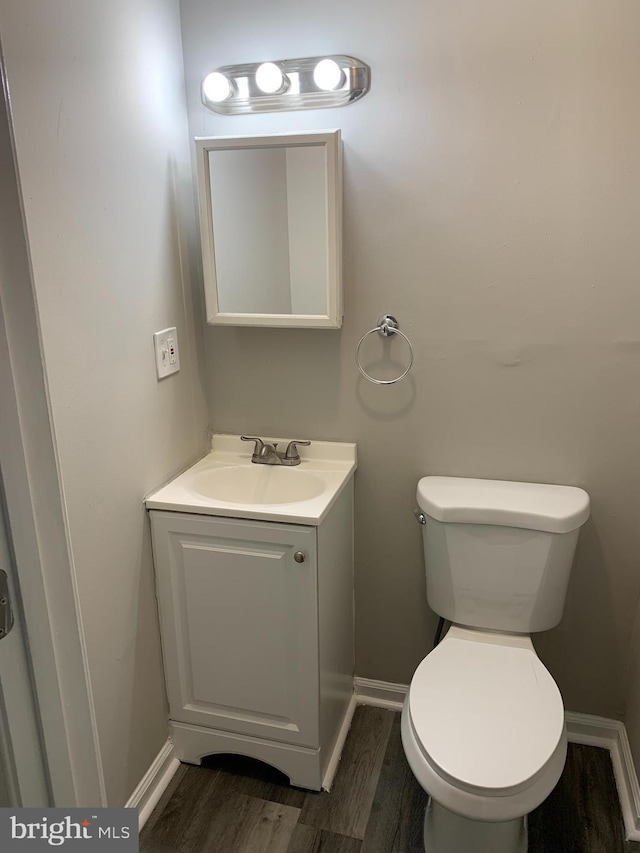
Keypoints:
pixel 266 453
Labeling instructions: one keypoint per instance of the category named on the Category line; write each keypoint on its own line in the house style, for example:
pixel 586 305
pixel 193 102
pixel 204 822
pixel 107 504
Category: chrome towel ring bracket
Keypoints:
pixel 387 326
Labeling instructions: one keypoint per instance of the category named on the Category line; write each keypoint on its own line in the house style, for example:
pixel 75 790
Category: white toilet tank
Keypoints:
pixel 498 554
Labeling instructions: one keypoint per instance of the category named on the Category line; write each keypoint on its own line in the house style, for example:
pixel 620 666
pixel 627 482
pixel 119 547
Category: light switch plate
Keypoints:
pixel 167 354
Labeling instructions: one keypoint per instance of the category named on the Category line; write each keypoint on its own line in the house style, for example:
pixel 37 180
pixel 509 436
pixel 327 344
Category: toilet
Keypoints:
pixel 483 720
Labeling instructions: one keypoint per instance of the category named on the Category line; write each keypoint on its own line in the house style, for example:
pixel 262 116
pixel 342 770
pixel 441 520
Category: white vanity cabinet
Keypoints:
pixel 257 632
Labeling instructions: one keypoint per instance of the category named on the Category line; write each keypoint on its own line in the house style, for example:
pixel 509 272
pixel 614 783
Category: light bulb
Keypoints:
pixel 328 75
pixel 269 78
pixel 216 87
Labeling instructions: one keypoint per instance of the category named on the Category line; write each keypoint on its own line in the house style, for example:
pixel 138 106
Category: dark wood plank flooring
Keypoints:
pixel 236 805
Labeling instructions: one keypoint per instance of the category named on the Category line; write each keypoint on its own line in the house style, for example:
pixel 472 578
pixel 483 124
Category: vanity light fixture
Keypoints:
pixel 287 84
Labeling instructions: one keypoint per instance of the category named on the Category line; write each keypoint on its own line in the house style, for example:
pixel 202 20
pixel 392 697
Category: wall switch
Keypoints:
pixel 167 355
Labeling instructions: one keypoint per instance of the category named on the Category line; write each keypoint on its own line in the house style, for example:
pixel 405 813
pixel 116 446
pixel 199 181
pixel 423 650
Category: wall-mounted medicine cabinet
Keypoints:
pixel 271 229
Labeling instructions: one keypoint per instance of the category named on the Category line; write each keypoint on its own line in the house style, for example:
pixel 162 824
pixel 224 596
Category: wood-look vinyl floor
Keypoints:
pixel 236 805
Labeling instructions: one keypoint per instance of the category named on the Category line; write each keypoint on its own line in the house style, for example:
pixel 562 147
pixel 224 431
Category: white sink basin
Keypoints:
pixel 258 484
pixel 227 483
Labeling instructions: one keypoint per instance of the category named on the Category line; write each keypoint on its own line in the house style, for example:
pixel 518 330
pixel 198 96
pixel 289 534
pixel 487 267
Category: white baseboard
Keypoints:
pixel 154 783
pixel 332 764
pixel 612 735
pixel 592 730
pixel 581 728
pixel 627 782
pixel 381 694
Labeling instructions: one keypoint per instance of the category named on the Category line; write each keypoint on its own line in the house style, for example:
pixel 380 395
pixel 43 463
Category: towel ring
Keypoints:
pixel 387 326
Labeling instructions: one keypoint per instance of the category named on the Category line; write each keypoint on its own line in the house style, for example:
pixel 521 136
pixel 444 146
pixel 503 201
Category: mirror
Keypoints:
pixel 270 223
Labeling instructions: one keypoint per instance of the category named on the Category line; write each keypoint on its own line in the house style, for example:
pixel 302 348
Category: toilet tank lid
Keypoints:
pixel 532 506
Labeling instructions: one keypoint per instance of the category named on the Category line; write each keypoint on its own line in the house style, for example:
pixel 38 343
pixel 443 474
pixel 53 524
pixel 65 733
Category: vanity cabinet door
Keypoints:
pixel 239 624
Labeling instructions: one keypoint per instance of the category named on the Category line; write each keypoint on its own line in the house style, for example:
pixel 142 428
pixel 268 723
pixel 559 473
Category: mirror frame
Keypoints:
pixel 331 141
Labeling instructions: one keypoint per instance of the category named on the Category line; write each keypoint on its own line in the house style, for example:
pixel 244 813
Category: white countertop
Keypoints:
pixel 326 466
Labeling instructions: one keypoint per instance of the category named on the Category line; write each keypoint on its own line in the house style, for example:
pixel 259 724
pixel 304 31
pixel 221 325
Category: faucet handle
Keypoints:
pixel 259 443
pixel 292 450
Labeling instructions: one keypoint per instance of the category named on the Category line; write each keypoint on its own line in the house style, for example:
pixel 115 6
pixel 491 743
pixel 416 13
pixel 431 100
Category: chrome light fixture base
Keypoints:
pixel 300 91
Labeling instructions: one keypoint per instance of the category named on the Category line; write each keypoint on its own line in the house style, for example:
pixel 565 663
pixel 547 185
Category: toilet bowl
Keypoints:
pixel 483 731
pixel 483 721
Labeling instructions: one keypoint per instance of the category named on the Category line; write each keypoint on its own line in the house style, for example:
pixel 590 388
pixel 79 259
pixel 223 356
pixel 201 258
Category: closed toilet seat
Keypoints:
pixel 484 725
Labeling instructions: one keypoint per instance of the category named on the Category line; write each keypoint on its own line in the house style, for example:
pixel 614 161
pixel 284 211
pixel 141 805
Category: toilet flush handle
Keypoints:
pixel 419 515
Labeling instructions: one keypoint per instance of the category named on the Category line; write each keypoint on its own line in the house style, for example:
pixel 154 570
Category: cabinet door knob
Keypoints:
pixel 299 557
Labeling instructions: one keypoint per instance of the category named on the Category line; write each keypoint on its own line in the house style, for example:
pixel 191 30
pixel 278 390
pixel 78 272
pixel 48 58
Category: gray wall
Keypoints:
pixel 492 195
pixel 100 128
